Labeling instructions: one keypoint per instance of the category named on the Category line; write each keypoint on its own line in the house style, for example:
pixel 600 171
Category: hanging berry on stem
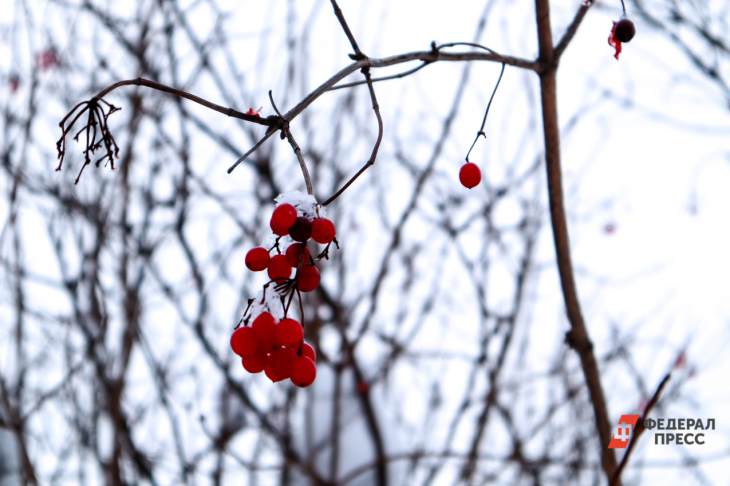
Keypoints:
pixel 470 175
pixel 622 30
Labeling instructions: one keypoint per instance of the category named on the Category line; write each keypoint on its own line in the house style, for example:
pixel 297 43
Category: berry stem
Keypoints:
pixel 481 133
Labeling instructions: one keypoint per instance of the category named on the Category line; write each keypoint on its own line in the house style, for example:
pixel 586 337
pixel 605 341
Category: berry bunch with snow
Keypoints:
pixel 267 339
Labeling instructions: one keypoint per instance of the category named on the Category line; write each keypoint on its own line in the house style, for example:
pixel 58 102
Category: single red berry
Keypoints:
pixel 289 333
pixel 264 327
pixel 283 218
pixel 279 363
pixel 308 351
pixel 279 268
pixel 243 341
pixel 625 30
pixel 307 278
pixel 254 363
pixel 301 230
pixel 303 372
pixel 47 59
pixel 257 259
pixel 14 82
pixel 323 230
pixel 362 387
pixel 470 175
pixel 297 254
pixel 271 372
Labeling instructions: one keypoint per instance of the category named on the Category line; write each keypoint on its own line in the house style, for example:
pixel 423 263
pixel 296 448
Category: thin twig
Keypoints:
pixel 376 107
pixel 572 29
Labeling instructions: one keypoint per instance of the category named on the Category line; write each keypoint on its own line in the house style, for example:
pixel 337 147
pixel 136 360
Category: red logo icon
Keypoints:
pixel 622 434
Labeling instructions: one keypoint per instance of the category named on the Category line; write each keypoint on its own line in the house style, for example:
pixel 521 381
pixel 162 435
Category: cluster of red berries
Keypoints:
pixel 286 221
pixel 276 348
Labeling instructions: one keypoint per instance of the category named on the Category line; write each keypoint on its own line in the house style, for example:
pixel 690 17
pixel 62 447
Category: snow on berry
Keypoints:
pixel 267 300
pixel 305 203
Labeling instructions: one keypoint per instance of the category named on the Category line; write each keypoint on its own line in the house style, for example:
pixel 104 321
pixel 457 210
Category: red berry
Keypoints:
pixel 289 333
pixel 283 218
pixel 301 230
pixel 243 341
pixel 279 268
pixel 307 278
pixel 624 30
pixel 257 259
pixel 304 371
pixel 279 364
pixel 297 253
pixel 470 175
pixel 323 230
pixel 254 363
pixel 362 387
pixel 308 351
pixel 264 327
pixel 271 373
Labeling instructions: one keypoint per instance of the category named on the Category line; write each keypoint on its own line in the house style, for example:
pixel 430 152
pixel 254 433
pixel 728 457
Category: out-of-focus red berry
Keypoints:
pixel 301 230
pixel 289 333
pixel 279 268
pixel 470 175
pixel 297 254
pixel 264 327
pixel 323 230
pixel 254 363
pixel 257 259
pixel 283 217
pixel 13 83
pixel 243 341
pixel 279 363
pixel 304 371
pixel 309 351
pixel 307 278
pixel 47 59
pixel 625 30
